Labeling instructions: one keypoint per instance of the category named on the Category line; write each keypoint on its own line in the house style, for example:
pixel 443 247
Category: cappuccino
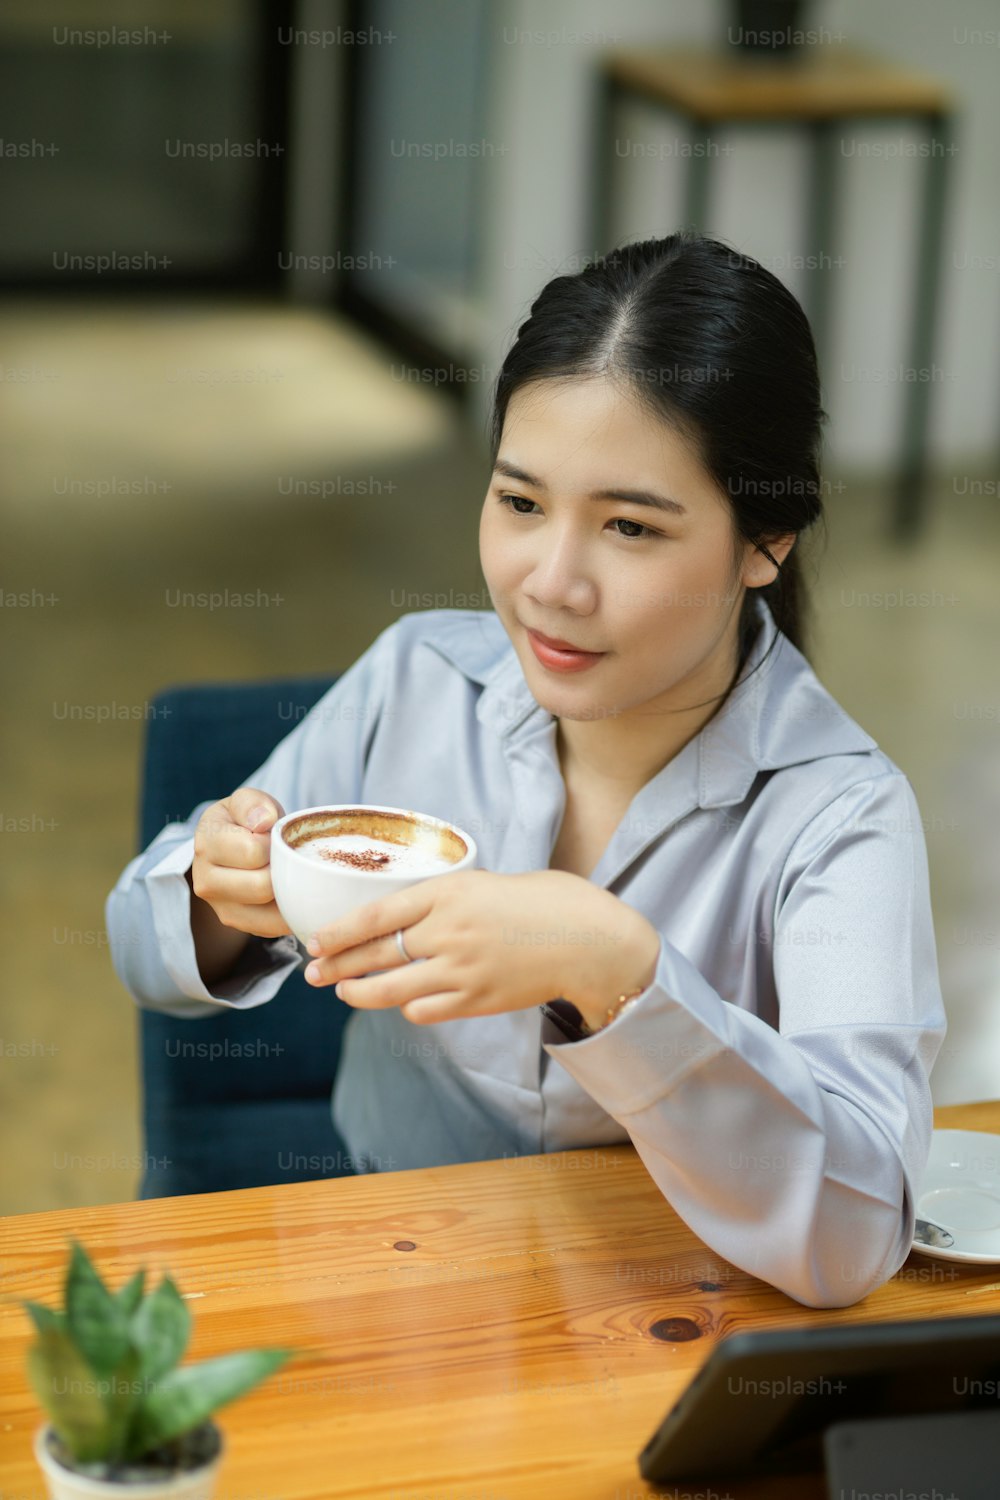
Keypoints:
pixel 354 851
pixel 323 859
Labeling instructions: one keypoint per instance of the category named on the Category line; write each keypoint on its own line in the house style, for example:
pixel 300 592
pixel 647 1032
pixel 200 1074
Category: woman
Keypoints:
pixel 703 891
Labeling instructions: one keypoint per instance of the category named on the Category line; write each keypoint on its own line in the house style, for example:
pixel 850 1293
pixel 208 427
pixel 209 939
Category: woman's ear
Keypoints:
pixel 758 569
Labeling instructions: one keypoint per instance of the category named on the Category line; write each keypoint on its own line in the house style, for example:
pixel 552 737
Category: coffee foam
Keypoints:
pixel 368 841
pixel 355 851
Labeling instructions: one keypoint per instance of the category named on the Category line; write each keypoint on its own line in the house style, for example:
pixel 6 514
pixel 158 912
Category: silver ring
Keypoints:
pixel 399 944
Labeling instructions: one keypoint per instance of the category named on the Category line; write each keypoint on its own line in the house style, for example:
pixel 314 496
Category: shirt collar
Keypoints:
pixel 779 713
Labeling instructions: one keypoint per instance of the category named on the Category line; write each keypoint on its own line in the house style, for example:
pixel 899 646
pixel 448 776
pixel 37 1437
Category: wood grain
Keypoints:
pixel 490 1331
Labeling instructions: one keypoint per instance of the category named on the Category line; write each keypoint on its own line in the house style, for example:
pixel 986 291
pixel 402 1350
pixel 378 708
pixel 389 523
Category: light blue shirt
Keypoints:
pixel 774 1077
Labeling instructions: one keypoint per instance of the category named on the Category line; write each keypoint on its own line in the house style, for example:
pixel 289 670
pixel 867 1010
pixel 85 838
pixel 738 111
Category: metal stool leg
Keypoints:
pixel 696 184
pixel 820 208
pixel 602 158
pixel 922 374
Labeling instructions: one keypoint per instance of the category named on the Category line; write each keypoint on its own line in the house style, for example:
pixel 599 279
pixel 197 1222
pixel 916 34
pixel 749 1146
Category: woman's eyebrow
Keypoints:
pixel 634 497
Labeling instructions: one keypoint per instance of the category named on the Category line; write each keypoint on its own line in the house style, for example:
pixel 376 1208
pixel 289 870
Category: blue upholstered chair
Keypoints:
pixel 241 1099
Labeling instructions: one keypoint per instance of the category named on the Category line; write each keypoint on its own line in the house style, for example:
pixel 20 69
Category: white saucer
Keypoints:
pixel 960 1190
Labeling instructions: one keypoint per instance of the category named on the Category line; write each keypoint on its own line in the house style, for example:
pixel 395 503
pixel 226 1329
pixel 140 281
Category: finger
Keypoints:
pixel 259 921
pixel 379 918
pixel 427 1010
pixel 381 953
pixel 389 991
pixel 450 1005
pixel 218 884
pixel 254 809
pixel 221 841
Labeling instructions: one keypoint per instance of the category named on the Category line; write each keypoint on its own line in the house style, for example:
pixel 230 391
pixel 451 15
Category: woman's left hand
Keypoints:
pixel 489 943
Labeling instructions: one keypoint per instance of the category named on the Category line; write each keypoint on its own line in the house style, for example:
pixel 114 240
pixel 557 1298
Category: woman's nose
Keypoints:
pixel 560 578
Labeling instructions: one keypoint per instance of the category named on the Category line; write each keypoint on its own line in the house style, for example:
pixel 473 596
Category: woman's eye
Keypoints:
pixel 511 501
pixel 638 534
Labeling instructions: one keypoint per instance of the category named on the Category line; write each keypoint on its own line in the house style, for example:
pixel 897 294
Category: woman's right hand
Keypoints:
pixel 231 871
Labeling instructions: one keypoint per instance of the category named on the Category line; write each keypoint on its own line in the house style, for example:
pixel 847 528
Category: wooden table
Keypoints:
pixel 819 89
pixel 498 1330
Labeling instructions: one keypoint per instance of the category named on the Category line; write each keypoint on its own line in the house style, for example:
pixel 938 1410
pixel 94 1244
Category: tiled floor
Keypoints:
pixel 337 495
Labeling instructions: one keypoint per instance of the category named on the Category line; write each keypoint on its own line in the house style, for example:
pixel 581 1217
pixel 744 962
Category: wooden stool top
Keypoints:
pixel 819 83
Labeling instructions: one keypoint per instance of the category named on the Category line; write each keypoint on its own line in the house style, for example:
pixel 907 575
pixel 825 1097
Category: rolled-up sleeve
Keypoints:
pixel 148 913
pixel 795 1152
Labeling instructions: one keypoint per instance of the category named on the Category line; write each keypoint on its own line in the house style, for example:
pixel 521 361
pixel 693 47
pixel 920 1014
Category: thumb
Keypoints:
pixel 255 810
pixel 260 819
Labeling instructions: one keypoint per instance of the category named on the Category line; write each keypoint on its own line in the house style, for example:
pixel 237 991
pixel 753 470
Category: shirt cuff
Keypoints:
pixel 675 1026
pixel 261 968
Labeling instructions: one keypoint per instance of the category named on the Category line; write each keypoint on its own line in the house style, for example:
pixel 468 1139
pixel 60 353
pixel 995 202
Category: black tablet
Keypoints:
pixel 951 1453
pixel 762 1400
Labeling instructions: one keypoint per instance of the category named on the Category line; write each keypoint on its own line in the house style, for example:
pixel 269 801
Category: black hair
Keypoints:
pixel 714 344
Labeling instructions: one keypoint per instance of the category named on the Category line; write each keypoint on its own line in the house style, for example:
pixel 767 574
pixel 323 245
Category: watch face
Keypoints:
pixel 568 1019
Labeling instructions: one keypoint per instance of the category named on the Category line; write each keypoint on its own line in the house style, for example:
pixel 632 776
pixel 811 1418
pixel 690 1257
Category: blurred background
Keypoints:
pixel 256 280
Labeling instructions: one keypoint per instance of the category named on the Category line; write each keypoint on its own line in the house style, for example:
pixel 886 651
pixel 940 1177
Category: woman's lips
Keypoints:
pixel 560 660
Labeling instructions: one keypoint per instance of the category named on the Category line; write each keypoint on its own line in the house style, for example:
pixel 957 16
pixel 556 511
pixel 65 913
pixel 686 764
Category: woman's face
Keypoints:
pixel 657 591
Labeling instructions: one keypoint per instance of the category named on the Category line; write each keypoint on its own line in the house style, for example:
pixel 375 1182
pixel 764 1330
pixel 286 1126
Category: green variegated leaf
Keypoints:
pixel 130 1295
pixel 45 1318
pixel 160 1330
pixel 67 1388
pixel 123 1392
pixel 98 1323
pixel 184 1398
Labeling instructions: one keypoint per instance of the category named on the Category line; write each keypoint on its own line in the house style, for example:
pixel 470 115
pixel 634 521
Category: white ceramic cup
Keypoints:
pixel 311 893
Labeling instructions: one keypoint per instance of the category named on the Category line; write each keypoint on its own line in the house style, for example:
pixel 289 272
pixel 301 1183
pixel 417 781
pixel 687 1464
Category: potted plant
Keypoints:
pixel 124 1419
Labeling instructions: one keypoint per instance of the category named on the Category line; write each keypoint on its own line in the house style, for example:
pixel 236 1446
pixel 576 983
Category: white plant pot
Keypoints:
pixel 66 1484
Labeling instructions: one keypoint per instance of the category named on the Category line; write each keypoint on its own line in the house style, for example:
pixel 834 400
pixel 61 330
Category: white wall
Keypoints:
pixel 539 109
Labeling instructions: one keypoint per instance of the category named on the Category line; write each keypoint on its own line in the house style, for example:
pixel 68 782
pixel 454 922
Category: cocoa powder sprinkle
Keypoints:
pixel 362 859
